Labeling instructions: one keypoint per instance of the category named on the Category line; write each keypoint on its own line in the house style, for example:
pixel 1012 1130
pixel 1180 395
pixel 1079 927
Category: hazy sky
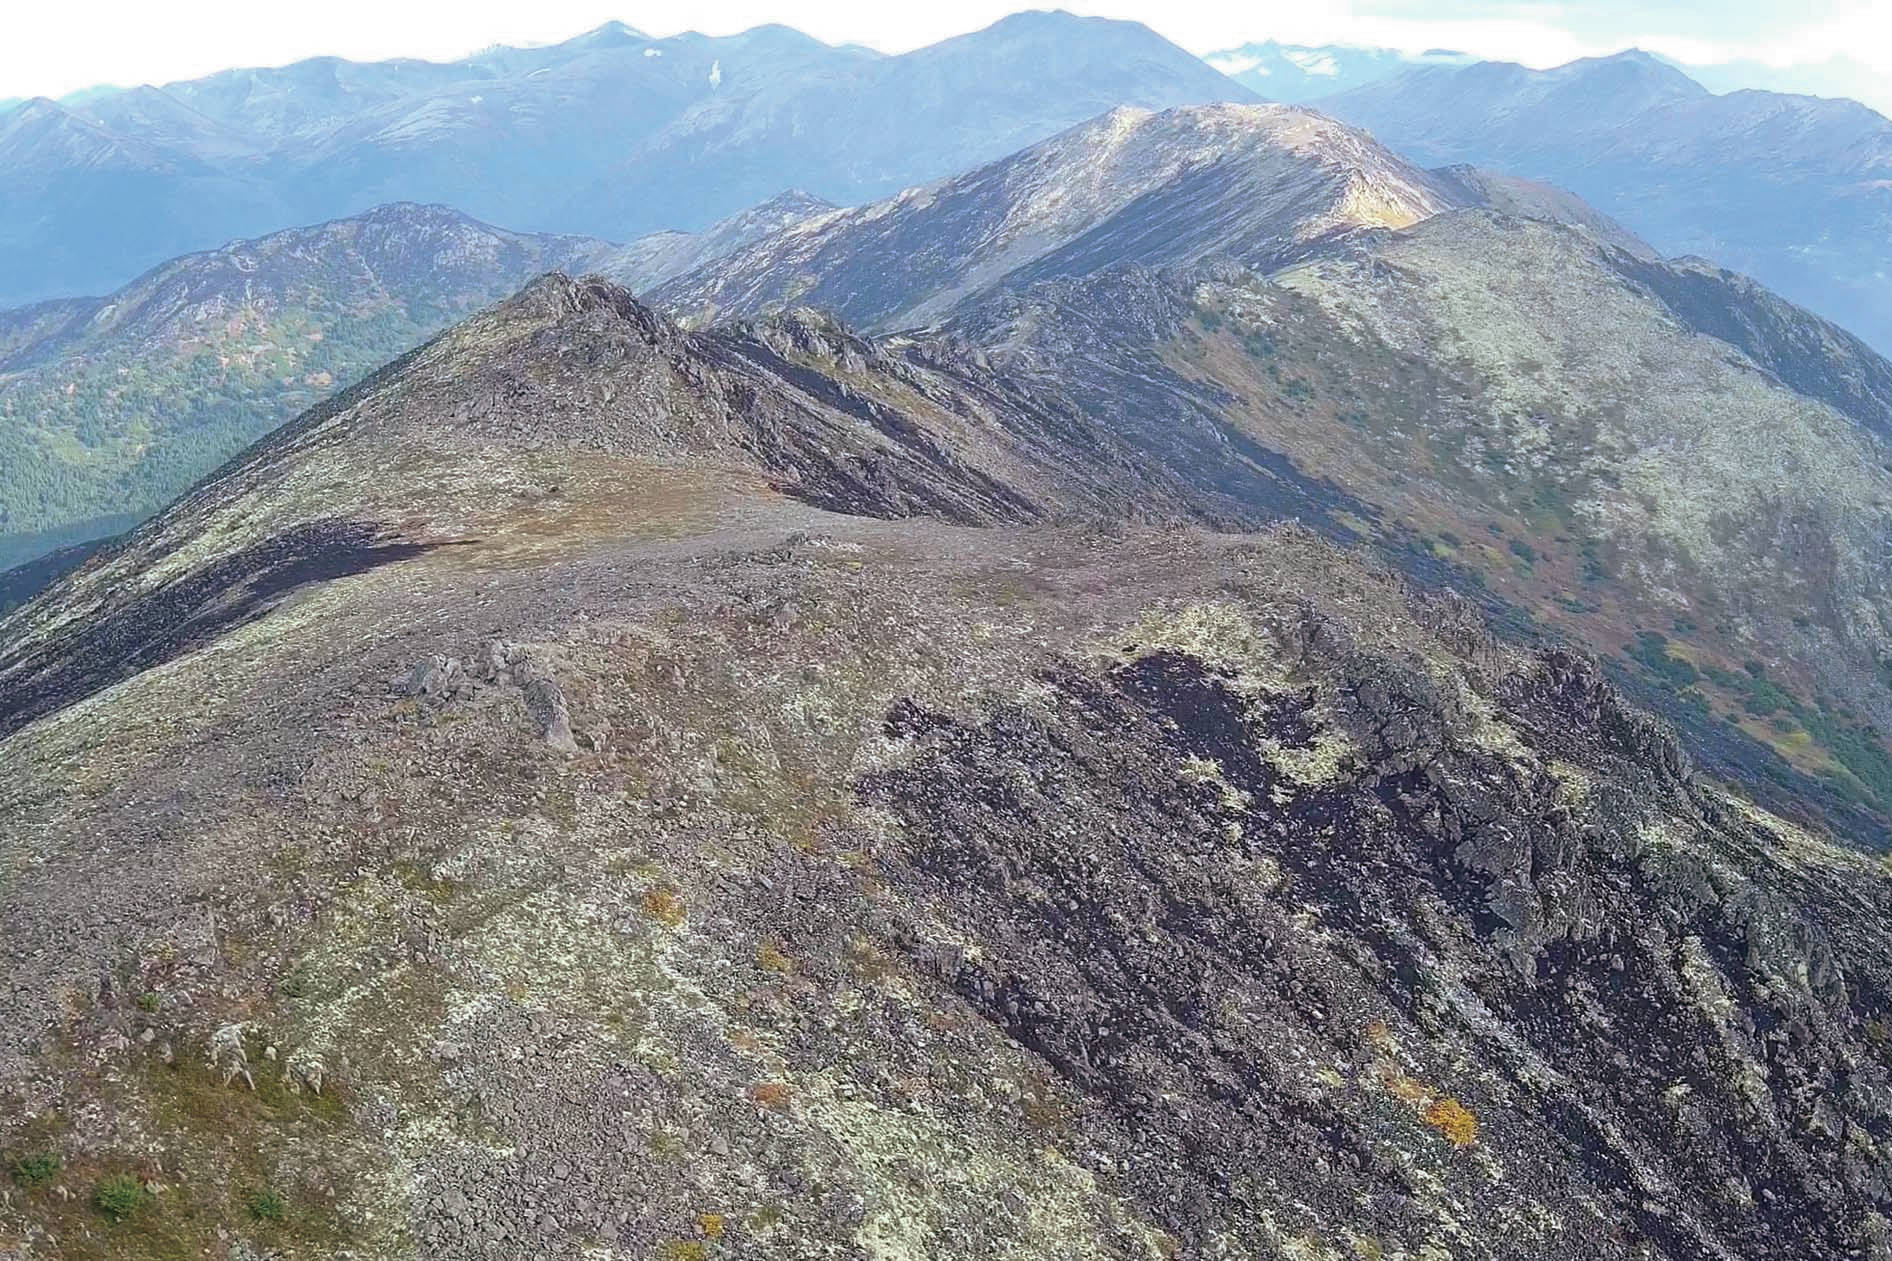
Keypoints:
pixel 54 48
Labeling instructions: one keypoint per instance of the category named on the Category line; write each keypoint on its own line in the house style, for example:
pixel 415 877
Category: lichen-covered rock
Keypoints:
pixel 916 889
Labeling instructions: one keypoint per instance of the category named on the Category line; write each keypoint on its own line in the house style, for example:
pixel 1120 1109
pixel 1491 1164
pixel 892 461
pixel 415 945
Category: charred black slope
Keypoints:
pixel 1526 406
pixel 1555 935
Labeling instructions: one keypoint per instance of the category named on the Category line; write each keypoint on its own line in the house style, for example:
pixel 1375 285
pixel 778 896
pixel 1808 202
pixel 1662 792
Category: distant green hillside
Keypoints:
pixel 110 407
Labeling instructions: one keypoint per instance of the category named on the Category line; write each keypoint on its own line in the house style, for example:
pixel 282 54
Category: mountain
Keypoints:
pixel 934 112
pixel 1659 459
pixel 88 206
pixel 651 260
pixel 1295 74
pixel 1835 76
pixel 597 786
pixel 110 406
pixel 1791 190
pixel 125 400
pixel 611 134
pixel 1257 182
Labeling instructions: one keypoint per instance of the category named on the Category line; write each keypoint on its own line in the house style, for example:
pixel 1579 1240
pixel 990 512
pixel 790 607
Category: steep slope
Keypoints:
pixel 1257 183
pixel 1792 190
pixel 611 134
pixel 505 814
pixel 110 406
pixel 158 117
pixel 1660 460
pixel 1529 199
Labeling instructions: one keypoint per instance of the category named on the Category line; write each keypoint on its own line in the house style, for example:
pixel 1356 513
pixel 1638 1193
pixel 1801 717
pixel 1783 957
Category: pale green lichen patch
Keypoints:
pixel 917 1175
pixel 1226 636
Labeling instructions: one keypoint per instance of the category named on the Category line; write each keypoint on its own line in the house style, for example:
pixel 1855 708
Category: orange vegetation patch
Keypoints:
pixel 665 907
pixel 1454 1120
pixel 771 1094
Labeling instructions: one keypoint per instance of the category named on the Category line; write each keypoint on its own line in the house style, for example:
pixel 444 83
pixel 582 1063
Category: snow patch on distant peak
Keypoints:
pixel 653 52
pixel 716 73
pixel 1237 63
pixel 1313 61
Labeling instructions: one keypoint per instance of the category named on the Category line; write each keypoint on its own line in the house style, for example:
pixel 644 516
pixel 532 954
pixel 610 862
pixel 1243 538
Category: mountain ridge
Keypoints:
pixel 549 139
pixel 812 840
pixel 1788 189
pixel 1295 177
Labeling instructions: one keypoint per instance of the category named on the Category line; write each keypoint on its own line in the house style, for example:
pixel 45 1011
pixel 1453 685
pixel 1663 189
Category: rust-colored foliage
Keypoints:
pixel 1454 1120
pixel 770 1094
pixel 665 907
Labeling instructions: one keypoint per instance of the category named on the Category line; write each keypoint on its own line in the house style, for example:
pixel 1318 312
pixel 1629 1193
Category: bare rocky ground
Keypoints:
pixel 600 791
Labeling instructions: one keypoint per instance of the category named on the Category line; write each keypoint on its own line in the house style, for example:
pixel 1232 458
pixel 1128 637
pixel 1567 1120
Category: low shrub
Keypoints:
pixel 34 1170
pixel 119 1196
pixel 268 1205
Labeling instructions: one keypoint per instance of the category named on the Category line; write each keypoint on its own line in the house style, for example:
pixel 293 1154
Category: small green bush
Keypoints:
pixel 119 1196
pixel 34 1170
pixel 269 1205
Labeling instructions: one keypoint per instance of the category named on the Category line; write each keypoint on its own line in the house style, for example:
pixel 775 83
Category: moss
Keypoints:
pixel 770 958
pixel 664 906
pixel 773 1095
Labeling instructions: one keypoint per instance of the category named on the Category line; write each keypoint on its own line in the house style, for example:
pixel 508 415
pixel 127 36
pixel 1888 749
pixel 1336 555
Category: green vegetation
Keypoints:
pixel 129 427
pixel 1855 745
pixel 1759 696
pixel 1651 651
pixel 34 1170
pixel 119 1196
pixel 268 1205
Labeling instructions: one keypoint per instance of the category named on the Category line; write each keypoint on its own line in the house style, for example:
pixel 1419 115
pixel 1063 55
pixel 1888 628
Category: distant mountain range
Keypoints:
pixel 612 134
pixel 1794 190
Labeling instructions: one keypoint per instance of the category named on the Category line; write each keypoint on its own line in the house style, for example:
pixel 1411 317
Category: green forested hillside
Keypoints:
pixel 109 408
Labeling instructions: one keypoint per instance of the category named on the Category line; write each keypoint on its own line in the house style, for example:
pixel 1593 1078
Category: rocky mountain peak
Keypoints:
pixel 1256 182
